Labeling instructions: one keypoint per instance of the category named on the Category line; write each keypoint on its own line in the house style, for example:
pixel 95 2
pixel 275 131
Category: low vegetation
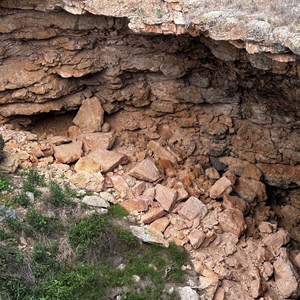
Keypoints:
pixel 49 255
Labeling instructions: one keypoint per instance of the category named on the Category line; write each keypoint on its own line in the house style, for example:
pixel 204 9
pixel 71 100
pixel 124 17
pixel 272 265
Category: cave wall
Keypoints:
pixel 223 100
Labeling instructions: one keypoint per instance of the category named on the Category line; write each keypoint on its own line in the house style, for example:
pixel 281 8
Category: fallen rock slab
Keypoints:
pixel 149 234
pixel 165 196
pixel 108 160
pixel 135 205
pixel 193 208
pixel 90 116
pixel 232 220
pixel 10 163
pixel 153 214
pixel 145 170
pixel 95 201
pixel 68 153
pixel 196 238
pixel 161 152
pixel 86 164
pixel 160 224
pixel 90 181
pixel 221 186
pixel 97 140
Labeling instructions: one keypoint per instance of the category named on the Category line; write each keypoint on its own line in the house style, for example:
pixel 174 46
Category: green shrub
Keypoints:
pixel 20 199
pixel 13 224
pixel 117 211
pixel 2 144
pixel 60 195
pixel 33 180
pixel 4 182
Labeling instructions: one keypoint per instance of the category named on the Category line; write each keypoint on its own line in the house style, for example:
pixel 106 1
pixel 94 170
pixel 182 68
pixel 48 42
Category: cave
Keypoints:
pixel 193 95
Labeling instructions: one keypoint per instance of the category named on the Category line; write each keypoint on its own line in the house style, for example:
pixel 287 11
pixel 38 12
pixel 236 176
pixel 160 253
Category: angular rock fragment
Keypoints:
pixel 196 238
pixel 235 202
pixel 220 187
pixel 276 240
pixel 187 293
pixel 10 163
pixel 90 181
pixel 153 214
pixel 212 173
pixel 95 201
pixel 232 220
pixel 108 160
pixel 68 153
pixel 97 140
pixel 286 278
pixel 165 196
pixel 160 224
pixel 90 115
pixel 135 205
pixel 86 164
pixel 250 189
pixel 145 170
pixel 161 152
pixel 149 234
pixel 193 208
pixel 120 185
pixel 252 172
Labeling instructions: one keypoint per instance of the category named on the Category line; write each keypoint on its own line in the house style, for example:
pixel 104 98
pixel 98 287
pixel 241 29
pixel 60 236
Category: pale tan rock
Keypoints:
pixel 209 282
pixel 232 220
pixel 68 153
pixel 212 173
pixel 187 293
pixel 35 150
pixel 161 152
pixel 193 208
pixel 196 238
pixel 139 188
pixel 86 164
pixel 10 163
pixel 182 194
pixel 265 227
pixel 138 205
pixel 220 187
pixel 108 160
pixel 152 215
pixel 286 278
pixel 95 201
pixel 149 234
pixel 120 185
pixel 58 140
pixel 250 189
pixel 161 224
pixel 74 132
pixel 165 196
pixel 90 181
pixel 220 294
pixel 145 170
pixel 90 115
pixel 97 140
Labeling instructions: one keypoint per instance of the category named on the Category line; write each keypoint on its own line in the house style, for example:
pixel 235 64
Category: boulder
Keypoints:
pixel 145 170
pixel 10 163
pixel 220 187
pixel 97 140
pixel 286 278
pixel 120 185
pixel 232 220
pixel 135 205
pixel 235 202
pixel 160 224
pixel 250 189
pixel 193 208
pixel 68 153
pixel 187 293
pixel 86 164
pixel 212 173
pixel 90 115
pixel 149 234
pixel 165 196
pixel 108 160
pixel 90 181
pixel 196 238
pixel 276 240
pixel 153 214
pixel 95 201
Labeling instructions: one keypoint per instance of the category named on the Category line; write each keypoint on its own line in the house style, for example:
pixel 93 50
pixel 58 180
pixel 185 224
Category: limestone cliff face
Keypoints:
pixel 203 64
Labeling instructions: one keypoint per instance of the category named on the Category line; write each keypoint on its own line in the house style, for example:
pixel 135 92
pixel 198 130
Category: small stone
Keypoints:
pixel 136 278
pixel 145 170
pixel 120 185
pixel 182 194
pixel 165 196
pixel 149 234
pixel 193 208
pixel 95 201
pixel 196 238
pixel 232 220
pixel 108 160
pixel 58 140
pixel 135 205
pixel 153 214
pixel 30 196
pixel 108 197
pixel 212 173
pixel 161 152
pixel 221 186
pixel 86 164
pixel 90 115
pixel 68 153
pixel 187 293
pixel 265 227
pixel 235 202
pixel 276 240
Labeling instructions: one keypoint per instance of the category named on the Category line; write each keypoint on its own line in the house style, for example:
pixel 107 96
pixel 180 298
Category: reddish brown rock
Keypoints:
pixel 161 152
pixel 235 202
pixel 161 224
pixel 220 187
pixel 120 185
pixel 68 153
pixel 165 196
pixel 252 172
pixel 145 170
pixel 86 164
pixel 152 215
pixel 193 208
pixel 250 189
pixel 232 220
pixel 276 240
pixel 90 115
pixel 212 173
pixel 108 160
pixel 135 205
